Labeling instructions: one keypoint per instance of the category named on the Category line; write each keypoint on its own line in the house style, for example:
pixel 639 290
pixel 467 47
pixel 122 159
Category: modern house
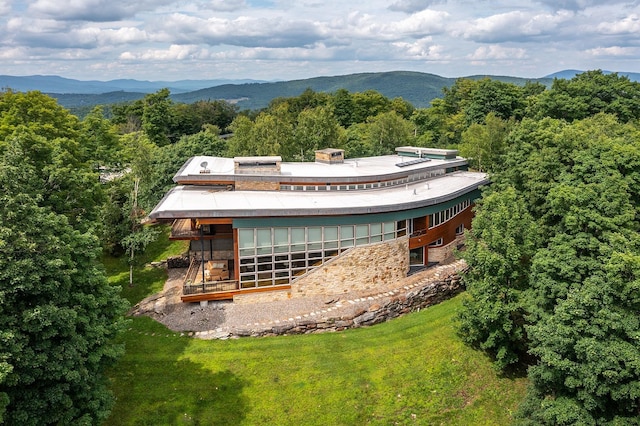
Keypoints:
pixel 263 229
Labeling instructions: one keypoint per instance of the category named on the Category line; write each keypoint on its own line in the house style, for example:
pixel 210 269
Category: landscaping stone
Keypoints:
pixel 178 262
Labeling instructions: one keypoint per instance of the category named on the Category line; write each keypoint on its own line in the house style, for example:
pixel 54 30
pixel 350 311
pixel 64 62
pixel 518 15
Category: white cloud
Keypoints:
pixel 627 25
pixel 310 36
pixel 227 5
pixel 423 49
pixel 48 33
pixel 287 54
pixel 420 24
pixel 125 35
pixel 14 54
pixel 5 7
pixel 93 10
pixel 494 52
pixel 19 24
pixel 360 25
pixel 577 5
pixel 174 52
pixel 412 6
pixel 242 31
pixel 614 51
pixel 513 26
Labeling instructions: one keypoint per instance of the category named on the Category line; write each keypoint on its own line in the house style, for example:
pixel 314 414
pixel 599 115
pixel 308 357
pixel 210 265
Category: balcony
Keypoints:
pixel 185 229
pixel 182 229
pixel 215 286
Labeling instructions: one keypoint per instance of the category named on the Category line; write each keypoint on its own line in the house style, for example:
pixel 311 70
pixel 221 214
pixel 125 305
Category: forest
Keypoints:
pixel 553 287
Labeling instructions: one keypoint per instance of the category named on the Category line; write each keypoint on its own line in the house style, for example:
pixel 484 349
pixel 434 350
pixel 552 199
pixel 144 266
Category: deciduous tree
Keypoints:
pixel 484 144
pixel 500 245
pixel 315 129
pixel 387 131
pixel 58 314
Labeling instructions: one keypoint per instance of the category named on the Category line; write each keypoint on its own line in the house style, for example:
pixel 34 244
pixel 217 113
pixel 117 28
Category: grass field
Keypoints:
pixel 412 370
pixel 147 280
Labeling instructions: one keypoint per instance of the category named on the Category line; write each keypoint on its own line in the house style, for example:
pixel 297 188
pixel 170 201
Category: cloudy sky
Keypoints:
pixel 291 39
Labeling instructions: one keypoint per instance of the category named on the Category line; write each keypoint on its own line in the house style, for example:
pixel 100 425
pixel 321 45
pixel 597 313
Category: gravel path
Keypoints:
pixel 220 318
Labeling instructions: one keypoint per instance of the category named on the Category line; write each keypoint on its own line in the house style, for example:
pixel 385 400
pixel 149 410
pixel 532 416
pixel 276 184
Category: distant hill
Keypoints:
pixel 569 74
pixel 415 87
pixel 61 85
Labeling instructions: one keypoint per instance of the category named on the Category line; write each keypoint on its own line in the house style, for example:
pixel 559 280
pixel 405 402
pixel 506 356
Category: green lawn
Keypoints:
pixel 412 370
pixel 147 280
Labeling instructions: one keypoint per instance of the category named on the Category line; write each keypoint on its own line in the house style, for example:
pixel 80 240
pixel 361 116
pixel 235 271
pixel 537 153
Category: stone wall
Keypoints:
pixel 362 268
pixel 441 254
pixel 257 185
pixel 178 262
pixel 417 295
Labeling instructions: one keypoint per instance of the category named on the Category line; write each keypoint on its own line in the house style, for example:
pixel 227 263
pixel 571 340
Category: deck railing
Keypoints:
pixel 209 287
pixel 193 283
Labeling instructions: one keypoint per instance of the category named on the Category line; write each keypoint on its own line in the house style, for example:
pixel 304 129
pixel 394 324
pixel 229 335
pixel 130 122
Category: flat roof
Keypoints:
pixel 355 168
pixel 189 201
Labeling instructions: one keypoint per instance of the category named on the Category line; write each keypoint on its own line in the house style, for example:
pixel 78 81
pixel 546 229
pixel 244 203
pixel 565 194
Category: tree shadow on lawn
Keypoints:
pixel 156 385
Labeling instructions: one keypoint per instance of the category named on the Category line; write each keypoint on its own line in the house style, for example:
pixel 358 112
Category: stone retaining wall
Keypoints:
pixel 178 262
pixel 412 299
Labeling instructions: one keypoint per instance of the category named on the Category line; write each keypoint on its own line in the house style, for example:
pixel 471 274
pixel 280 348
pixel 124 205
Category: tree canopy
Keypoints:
pixel 571 301
pixel 58 314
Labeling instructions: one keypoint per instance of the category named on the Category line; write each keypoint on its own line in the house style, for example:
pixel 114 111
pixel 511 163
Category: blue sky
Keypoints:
pixel 292 39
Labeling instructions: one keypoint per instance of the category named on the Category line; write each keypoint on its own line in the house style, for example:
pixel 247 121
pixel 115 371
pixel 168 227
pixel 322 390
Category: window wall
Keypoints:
pixel 369 185
pixel 277 255
pixel 443 216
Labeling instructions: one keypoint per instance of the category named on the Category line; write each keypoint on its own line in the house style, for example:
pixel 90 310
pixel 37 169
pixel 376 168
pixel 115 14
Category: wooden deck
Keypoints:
pixel 195 288
pixel 228 295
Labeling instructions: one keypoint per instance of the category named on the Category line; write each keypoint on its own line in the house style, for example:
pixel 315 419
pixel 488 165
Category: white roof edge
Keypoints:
pixel 189 201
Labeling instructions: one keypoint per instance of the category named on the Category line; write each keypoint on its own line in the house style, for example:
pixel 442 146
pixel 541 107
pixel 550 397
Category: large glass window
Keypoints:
pixel 281 240
pixel 274 256
pixel 389 231
pixel 346 236
pixel 298 239
pixel 263 241
pixel 376 232
pixel 246 244
pixel 362 234
pixel 401 227
pixel 314 237
pixel 330 233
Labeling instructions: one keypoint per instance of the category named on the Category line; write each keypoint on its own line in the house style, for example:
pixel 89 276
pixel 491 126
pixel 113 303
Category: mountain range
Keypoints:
pixel 416 87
